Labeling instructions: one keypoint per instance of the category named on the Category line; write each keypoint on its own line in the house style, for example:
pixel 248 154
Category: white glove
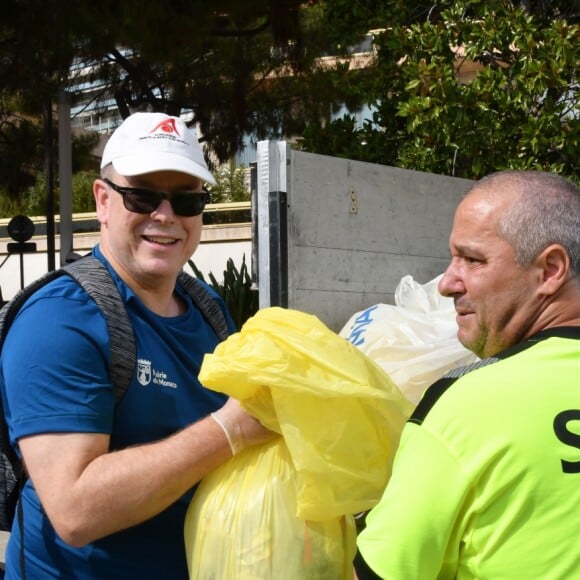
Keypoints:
pixel 241 429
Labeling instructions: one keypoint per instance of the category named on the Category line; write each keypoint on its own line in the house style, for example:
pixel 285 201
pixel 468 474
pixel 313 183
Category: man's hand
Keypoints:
pixel 241 429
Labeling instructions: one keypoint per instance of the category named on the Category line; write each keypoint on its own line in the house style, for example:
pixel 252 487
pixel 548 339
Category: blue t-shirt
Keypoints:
pixel 55 378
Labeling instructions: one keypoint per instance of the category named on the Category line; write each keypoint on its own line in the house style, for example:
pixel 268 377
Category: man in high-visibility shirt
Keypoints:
pixel 486 481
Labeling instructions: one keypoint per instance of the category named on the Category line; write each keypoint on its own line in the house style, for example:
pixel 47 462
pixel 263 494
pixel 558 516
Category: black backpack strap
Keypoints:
pixel 206 303
pixel 95 279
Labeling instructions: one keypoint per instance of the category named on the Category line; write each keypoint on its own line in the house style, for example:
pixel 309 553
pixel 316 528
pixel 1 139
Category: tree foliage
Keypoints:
pixel 520 111
pixel 20 150
pixel 211 59
pixel 284 68
pixel 230 185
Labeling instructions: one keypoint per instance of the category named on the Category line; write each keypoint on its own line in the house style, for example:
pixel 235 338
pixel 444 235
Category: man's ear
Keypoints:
pixel 555 266
pixel 101 193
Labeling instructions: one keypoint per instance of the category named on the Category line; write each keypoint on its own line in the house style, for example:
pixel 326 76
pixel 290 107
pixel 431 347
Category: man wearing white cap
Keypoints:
pixel 109 485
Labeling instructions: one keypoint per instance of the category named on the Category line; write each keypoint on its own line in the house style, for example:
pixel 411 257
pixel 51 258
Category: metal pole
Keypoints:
pixel 21 269
pixel 65 176
pixel 48 169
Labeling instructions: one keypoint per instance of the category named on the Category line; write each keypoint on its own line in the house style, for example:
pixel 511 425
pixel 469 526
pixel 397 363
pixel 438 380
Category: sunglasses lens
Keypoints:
pixel 188 204
pixel 142 201
pixel 146 201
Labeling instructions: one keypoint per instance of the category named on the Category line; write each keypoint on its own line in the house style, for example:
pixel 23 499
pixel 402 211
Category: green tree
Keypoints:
pixel 231 185
pixel 520 111
pixel 282 69
pixel 20 151
pixel 211 59
pixel 23 188
pixel 171 60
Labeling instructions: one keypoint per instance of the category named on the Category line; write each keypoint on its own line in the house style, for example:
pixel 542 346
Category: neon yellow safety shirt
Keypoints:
pixel 486 480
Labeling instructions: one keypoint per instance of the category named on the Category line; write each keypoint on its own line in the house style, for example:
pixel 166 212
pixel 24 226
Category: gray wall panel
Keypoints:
pixel 355 229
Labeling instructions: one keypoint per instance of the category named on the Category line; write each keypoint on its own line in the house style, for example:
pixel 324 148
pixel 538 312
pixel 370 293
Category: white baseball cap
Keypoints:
pixel 148 142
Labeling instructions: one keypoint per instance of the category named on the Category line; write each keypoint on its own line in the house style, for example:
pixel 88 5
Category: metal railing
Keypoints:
pixel 215 213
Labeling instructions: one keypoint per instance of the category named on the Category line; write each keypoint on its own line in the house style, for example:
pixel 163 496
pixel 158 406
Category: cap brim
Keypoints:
pixel 148 163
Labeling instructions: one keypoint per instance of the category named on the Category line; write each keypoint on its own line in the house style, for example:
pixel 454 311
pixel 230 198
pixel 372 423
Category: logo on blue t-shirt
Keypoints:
pixel 146 375
pixel 144 371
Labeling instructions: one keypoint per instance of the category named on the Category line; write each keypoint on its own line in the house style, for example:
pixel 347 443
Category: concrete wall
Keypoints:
pixel 355 229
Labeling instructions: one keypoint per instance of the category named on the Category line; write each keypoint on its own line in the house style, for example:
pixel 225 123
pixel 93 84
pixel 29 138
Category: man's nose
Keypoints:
pixel 164 211
pixel 450 283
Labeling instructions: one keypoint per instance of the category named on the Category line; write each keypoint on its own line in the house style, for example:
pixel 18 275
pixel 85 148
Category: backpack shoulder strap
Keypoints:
pixel 95 279
pixel 206 303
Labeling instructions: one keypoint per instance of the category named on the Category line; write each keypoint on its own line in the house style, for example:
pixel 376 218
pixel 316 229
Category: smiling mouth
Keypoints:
pixel 161 241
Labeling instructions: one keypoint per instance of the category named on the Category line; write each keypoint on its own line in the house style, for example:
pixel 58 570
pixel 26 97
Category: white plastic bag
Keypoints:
pixel 415 340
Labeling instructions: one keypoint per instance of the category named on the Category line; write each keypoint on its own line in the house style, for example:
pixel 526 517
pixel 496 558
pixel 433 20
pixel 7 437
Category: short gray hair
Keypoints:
pixel 545 210
pixel 106 171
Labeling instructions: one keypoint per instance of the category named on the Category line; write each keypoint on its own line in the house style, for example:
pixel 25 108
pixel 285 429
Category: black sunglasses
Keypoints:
pixel 145 201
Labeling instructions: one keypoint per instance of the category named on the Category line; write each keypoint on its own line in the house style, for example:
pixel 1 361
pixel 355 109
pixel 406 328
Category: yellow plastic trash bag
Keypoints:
pixel 242 525
pixel 340 417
